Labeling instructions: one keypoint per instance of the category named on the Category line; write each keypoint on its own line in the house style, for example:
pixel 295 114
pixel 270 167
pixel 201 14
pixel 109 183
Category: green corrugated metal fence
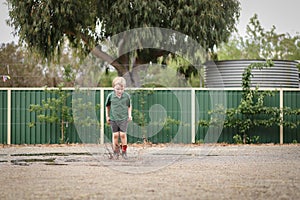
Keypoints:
pixel 151 108
pixel 292 99
pixel 3 117
pixel 232 99
pixel 160 116
pixel 21 133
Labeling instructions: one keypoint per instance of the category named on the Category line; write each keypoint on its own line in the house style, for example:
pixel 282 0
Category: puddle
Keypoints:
pixel 56 164
pixel 50 158
pixel 28 161
pixel 54 154
pixel 173 154
pixel 69 158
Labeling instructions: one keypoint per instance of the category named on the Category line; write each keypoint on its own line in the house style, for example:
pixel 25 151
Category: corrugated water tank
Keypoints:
pixel 228 73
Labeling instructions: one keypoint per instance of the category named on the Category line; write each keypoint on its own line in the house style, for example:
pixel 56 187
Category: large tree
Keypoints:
pixel 44 25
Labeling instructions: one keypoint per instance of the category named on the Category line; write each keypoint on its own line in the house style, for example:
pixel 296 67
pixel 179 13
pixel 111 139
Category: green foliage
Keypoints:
pixel 192 76
pixel 171 71
pixel 209 22
pixel 54 109
pixel 167 125
pixel 253 140
pixel 201 141
pixel 252 104
pixel 55 104
pixel 261 44
pixel 295 142
pixel 27 69
pixel 248 114
pixel 20 66
pixel 139 114
pixel 246 80
pixel 105 79
pixel 68 74
pixel 287 111
pixel 82 113
pixel 170 121
pixel 237 139
pixel 45 26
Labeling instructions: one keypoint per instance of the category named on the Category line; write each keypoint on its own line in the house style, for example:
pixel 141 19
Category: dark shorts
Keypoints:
pixel 117 126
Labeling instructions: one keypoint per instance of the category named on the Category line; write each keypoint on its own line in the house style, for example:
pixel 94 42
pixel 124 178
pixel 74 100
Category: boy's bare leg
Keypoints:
pixel 123 138
pixel 124 142
pixel 115 140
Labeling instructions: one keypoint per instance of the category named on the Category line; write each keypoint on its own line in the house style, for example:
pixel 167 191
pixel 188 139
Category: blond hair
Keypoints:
pixel 119 81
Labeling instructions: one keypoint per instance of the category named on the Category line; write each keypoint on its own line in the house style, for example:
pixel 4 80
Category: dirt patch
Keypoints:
pixel 151 172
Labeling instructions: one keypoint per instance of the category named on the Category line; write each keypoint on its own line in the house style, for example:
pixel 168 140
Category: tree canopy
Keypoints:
pixel 261 44
pixel 45 25
pixel 26 69
pixel 23 70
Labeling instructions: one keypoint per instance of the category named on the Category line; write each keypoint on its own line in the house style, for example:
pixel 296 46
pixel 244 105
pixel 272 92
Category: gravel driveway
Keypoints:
pixel 150 172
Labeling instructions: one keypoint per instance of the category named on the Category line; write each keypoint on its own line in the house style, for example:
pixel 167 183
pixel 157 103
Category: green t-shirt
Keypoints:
pixel 118 106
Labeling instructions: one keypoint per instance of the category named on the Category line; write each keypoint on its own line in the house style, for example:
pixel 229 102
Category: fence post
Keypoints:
pixel 102 112
pixel 193 115
pixel 8 116
pixel 281 115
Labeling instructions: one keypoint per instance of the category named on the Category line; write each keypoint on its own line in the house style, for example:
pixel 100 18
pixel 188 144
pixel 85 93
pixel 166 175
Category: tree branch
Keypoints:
pixel 101 54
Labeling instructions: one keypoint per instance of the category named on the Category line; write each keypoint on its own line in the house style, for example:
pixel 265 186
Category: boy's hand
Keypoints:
pixel 129 118
pixel 108 120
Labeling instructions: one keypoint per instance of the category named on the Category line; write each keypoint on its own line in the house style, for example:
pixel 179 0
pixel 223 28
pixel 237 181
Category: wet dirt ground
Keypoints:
pixel 150 172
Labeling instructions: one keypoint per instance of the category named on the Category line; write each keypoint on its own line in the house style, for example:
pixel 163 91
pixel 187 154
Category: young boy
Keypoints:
pixel 118 113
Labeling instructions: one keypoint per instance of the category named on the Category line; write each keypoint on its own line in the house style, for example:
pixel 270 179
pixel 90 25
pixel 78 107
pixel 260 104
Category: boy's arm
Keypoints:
pixel 129 113
pixel 107 108
pixel 107 114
